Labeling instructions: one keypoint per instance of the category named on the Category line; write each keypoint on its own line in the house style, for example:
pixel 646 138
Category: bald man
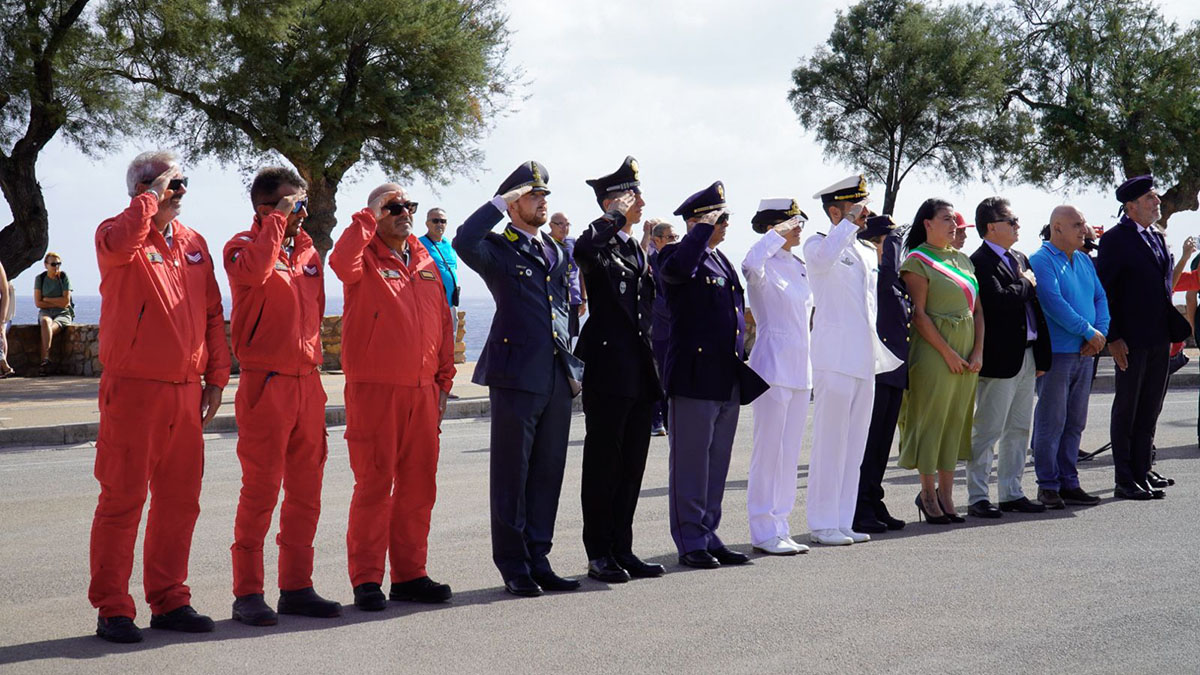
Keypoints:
pixel 560 227
pixel 1076 311
pixel 398 355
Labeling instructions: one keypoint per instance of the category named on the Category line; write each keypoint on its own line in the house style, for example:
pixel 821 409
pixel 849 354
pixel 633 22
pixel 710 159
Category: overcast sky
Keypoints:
pixel 696 90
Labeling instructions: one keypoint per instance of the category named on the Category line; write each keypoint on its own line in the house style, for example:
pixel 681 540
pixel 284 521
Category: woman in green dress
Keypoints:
pixel 944 360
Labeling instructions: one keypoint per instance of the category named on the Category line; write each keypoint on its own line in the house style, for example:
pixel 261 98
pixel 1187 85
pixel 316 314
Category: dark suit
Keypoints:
pixel 620 383
pixel 528 366
pixel 659 330
pixel 707 380
pixel 892 323
pixel 1142 314
pixel 1004 296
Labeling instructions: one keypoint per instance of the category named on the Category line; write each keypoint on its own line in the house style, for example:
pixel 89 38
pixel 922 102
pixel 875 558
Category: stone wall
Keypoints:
pixel 76 350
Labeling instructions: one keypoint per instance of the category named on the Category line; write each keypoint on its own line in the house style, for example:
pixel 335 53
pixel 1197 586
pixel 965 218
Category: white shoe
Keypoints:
pixel 830 538
pixel 856 537
pixel 801 547
pixel 777 546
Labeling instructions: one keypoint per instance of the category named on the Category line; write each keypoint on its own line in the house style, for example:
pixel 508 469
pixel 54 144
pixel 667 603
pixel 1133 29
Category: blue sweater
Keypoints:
pixel 1071 297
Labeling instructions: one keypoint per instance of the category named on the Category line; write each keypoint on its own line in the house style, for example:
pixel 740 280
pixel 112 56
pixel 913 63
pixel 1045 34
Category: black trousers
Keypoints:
pixel 614 459
pixel 1136 403
pixel 884 414
pixel 528 457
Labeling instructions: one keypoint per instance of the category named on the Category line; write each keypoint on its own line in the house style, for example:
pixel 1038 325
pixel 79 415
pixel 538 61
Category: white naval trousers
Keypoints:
pixel 779 419
pixel 841 418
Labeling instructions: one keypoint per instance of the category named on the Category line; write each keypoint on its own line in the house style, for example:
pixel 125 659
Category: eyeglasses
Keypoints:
pixel 55 264
pixel 669 238
pixel 438 221
pixel 1011 221
pixel 396 208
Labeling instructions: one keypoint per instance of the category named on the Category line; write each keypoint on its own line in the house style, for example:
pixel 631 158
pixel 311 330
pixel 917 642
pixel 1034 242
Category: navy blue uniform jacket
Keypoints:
pixel 894 317
pixel 529 329
pixel 1141 310
pixel 705 349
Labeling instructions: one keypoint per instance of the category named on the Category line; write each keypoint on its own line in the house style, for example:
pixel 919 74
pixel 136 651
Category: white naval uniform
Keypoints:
pixel 846 355
pixel 781 298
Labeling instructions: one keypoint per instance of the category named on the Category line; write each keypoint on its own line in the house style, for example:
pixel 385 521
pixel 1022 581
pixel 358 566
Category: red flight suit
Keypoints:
pixel 161 329
pixel 278 302
pixel 398 355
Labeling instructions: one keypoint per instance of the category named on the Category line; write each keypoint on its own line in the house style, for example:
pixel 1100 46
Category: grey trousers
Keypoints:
pixel 1003 424
pixel 701 439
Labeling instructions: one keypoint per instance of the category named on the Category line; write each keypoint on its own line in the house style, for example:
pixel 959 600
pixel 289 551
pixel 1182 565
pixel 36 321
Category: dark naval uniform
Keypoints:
pixel 892 324
pixel 707 380
pixel 620 383
pixel 530 371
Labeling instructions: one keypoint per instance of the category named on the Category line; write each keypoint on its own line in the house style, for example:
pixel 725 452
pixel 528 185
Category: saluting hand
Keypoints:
pixel 289 202
pixel 515 194
pixel 622 203
pixel 376 204
pixel 793 223
pixel 858 214
pixel 159 184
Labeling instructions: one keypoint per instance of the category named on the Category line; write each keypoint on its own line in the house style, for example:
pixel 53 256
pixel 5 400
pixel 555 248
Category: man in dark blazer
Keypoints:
pixel 892 324
pixel 530 372
pixel 1135 268
pixel 620 382
pixel 706 376
pixel 1016 351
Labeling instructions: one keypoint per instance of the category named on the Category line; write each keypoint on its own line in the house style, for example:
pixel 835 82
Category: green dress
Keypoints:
pixel 938 406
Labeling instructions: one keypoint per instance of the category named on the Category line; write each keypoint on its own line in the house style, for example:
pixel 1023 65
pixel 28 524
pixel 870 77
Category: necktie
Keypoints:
pixel 1030 319
pixel 1153 241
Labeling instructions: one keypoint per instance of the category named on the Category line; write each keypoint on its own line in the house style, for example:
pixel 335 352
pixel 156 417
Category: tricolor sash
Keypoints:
pixel 966 282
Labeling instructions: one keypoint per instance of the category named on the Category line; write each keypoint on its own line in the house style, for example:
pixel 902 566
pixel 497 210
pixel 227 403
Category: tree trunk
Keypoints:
pixel 889 201
pixel 322 208
pixel 1182 196
pixel 24 241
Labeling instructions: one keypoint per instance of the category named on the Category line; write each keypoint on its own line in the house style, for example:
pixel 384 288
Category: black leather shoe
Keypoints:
pixel 1154 493
pixel 637 567
pixel 1157 480
pixel 1078 496
pixel 1135 493
pixel 607 570
pixel 119 629
pixel 422 589
pixel 552 582
pixel 306 602
pixel 369 597
pixel 882 515
pixel 1051 499
pixel 523 586
pixel 1022 505
pixel 700 560
pixel 984 509
pixel 253 610
pixel 183 619
pixel 869 524
pixel 728 556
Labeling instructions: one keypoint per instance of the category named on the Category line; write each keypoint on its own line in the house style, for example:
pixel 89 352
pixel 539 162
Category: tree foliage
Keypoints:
pixel 904 86
pixel 1113 88
pixel 49 84
pixel 406 85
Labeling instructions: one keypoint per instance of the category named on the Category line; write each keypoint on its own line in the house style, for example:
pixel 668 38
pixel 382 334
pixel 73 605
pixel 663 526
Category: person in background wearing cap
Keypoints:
pixel 1135 267
pixel 1016 353
pixel 777 283
pixel 398 356
pixel 944 358
pixel 278 302
pixel 960 233
pixel 560 227
pixel 620 382
pixel 892 323
pixel 162 330
pixel 530 371
pixel 706 376
pixel 1076 311
pixel 661 234
pixel 434 241
pixel 846 357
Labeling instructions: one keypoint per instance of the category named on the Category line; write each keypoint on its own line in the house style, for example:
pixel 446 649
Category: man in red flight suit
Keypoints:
pixel 161 329
pixel 398 356
pixel 278 300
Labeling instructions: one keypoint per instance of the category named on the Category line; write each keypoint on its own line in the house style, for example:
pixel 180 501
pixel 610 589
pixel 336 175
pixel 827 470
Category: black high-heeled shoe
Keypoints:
pixel 932 520
pixel 952 516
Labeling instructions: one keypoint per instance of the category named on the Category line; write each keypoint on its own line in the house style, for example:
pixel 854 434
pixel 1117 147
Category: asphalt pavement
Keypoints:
pixel 1110 588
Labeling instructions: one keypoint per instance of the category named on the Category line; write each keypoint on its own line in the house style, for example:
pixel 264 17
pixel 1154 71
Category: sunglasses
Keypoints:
pixel 396 208
pixel 300 206
pixel 177 183
pixel 438 221
pixel 722 219
pixel 1011 221
pixel 55 264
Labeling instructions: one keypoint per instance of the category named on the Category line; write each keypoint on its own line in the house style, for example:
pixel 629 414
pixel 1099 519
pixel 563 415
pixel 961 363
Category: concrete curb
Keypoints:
pixel 24 438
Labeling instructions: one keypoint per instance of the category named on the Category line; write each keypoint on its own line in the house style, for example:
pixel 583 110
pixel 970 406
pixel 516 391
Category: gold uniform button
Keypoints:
pixel 737 332
pixel 553 316
pixel 907 339
pixel 550 298
pixel 506 339
pixel 699 349
pixel 555 333
pixel 547 277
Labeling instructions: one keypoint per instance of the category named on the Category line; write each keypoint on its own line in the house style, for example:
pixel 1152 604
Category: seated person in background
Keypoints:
pixel 52 295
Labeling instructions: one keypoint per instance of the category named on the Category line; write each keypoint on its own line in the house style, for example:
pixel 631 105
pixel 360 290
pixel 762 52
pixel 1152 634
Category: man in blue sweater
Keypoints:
pixel 1076 310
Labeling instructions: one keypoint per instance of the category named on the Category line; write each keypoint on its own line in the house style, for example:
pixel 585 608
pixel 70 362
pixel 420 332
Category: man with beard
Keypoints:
pixel 162 330
pixel 531 374
pixel 620 384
